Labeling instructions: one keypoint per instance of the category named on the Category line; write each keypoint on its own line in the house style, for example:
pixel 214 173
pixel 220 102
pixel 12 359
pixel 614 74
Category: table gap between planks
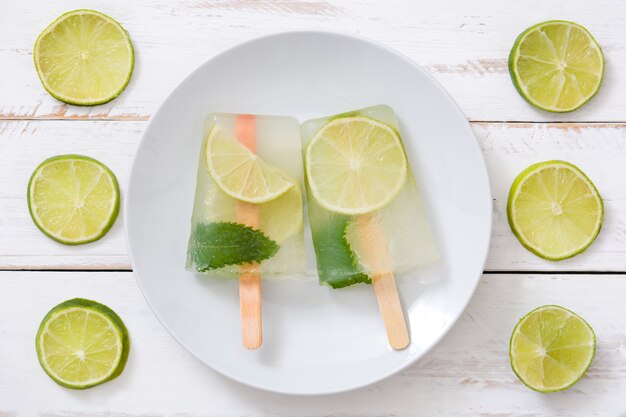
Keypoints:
pixel 464 45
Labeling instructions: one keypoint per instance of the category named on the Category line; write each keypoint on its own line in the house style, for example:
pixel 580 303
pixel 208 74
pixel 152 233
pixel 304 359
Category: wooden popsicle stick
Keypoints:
pixel 375 248
pixel 249 275
pixel 250 306
pixel 391 310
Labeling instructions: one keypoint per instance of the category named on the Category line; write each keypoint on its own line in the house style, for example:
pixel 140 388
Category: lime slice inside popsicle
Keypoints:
pixel 240 173
pixel 355 165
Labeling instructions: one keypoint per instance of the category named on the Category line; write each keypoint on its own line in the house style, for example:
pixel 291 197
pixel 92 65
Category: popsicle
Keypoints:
pixel 247 219
pixel 368 220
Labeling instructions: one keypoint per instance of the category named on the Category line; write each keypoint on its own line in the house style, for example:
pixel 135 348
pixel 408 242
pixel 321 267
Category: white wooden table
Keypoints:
pixel 465 45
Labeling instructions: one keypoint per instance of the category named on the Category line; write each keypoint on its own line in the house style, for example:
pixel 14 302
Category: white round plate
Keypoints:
pixel 316 340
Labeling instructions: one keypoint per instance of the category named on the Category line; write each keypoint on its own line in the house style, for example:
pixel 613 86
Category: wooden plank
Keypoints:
pixel 23 146
pixel 598 149
pixel 467 374
pixel 464 45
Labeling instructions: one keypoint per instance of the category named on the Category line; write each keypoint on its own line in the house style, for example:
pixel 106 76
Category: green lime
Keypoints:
pixel 81 343
pixel 556 65
pixel 240 173
pixel 355 165
pixel 554 210
pixel 84 57
pixel 551 348
pixel 73 199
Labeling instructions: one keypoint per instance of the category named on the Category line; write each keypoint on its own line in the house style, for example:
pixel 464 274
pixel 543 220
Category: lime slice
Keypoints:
pixel 82 343
pixel 240 173
pixel 556 65
pixel 84 57
pixel 281 218
pixel 355 165
pixel 555 210
pixel 73 199
pixel 551 348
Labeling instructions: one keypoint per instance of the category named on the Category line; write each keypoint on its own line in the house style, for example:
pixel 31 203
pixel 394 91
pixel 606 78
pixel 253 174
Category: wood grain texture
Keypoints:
pixel 598 149
pixel 464 45
pixel 466 375
pixel 23 146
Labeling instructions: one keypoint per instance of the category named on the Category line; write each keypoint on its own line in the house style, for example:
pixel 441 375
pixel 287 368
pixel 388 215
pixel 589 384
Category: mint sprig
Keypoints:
pixel 219 244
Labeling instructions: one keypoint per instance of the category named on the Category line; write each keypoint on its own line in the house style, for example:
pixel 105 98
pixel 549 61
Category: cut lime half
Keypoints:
pixel 84 57
pixel 355 165
pixel 73 199
pixel 82 343
pixel 551 348
pixel 555 210
pixel 556 65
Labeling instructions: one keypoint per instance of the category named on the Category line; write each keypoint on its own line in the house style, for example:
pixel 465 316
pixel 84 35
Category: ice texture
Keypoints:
pixel 342 242
pixel 277 143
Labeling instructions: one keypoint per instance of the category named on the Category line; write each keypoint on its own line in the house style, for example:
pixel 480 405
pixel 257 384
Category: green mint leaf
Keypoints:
pixel 215 245
pixel 336 264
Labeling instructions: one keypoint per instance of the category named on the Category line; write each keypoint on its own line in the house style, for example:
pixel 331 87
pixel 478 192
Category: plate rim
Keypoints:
pixel 434 82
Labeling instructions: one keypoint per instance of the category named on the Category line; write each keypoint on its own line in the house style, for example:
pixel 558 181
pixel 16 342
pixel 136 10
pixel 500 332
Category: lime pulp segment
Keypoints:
pixel 84 57
pixel 556 65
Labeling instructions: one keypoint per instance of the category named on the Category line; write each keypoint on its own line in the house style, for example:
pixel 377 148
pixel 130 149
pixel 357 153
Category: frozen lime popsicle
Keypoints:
pixel 247 214
pixel 367 218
